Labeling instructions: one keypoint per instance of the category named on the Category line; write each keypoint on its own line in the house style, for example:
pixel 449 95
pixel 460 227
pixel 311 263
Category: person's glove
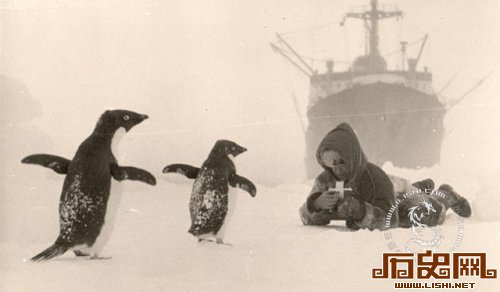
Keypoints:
pixel 351 208
pixel 327 200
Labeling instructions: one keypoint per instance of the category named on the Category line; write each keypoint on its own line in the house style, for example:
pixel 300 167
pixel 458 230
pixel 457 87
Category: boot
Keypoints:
pixel 426 184
pixel 457 203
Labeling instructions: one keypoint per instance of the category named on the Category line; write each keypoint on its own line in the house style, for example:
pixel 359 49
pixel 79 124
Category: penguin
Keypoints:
pixel 209 200
pixel 88 201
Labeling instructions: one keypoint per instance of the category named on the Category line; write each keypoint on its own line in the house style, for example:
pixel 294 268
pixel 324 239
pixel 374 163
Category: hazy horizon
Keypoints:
pixel 205 71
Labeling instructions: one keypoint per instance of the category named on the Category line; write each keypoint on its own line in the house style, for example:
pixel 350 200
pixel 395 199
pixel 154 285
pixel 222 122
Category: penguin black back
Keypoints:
pixel 83 207
pixel 208 205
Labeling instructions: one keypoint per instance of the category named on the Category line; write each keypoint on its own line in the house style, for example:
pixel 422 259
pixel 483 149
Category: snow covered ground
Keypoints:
pixel 151 250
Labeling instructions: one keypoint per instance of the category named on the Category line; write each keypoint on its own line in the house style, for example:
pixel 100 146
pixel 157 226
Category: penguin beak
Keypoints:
pixel 238 151
pixel 137 120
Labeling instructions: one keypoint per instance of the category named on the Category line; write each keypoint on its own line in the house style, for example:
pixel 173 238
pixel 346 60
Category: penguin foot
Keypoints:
pixel 99 258
pixel 200 240
pixel 205 239
pixel 80 253
pixel 220 241
pixel 217 240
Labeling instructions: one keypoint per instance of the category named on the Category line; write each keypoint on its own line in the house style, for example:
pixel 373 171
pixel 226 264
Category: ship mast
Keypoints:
pixel 373 16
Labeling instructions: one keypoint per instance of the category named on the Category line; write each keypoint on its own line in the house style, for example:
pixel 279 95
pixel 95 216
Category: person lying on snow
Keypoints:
pixel 369 193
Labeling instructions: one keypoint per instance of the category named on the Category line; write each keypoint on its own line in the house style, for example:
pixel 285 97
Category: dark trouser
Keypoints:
pixel 419 203
pixel 420 209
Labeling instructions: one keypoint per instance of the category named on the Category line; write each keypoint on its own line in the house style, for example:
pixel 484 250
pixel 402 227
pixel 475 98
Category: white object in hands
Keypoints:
pixel 339 187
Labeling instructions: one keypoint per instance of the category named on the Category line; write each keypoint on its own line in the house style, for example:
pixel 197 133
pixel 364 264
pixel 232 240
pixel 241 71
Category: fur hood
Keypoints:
pixel 343 139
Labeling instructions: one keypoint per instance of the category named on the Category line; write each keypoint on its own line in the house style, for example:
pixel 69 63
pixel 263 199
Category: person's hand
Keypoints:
pixel 327 200
pixel 351 208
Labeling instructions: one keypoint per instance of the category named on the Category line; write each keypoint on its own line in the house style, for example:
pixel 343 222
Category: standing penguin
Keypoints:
pixel 208 205
pixel 88 200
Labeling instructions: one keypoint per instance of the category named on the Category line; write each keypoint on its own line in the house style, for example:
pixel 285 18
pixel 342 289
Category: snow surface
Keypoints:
pixel 150 249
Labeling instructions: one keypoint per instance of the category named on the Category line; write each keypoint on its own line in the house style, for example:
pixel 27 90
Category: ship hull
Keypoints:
pixel 394 124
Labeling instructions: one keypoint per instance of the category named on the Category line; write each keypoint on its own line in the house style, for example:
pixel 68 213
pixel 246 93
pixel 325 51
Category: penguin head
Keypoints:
pixel 112 120
pixel 226 147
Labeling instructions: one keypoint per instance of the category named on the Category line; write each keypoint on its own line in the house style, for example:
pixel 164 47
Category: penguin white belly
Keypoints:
pixel 115 194
pixel 231 205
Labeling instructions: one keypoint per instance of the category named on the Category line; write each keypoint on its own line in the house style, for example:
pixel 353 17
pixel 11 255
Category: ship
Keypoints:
pixel 395 112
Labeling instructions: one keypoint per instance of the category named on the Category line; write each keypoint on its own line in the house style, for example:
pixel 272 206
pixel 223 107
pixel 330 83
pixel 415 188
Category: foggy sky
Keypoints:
pixel 203 70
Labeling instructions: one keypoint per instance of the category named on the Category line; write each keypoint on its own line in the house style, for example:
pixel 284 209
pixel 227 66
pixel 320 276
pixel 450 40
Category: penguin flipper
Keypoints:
pixel 243 183
pixel 56 163
pixel 184 169
pixel 132 173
